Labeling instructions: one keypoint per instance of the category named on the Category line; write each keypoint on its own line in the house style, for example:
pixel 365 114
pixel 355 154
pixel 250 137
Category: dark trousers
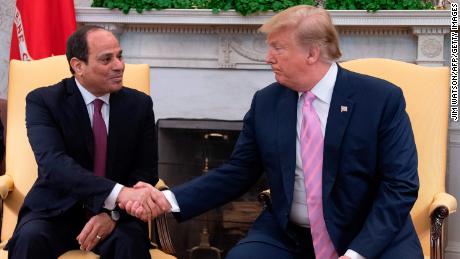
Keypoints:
pixel 262 243
pixel 51 237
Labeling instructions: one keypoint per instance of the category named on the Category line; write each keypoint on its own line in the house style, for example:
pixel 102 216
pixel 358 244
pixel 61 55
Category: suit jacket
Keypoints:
pixel 370 179
pixel 61 137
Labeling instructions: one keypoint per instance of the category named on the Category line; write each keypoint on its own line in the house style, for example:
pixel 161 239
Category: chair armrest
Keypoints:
pixel 265 198
pixel 161 185
pixel 160 230
pixel 443 204
pixel 6 185
pixel 443 200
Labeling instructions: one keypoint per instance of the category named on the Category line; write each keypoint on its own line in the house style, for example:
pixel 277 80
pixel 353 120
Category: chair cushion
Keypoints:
pixel 154 253
pixel 79 254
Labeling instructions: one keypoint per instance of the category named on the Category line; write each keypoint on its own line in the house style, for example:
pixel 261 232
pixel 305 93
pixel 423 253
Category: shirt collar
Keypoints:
pixel 324 88
pixel 89 97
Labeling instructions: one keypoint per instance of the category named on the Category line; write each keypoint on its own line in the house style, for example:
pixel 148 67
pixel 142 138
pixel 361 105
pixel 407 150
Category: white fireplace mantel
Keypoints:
pixel 229 40
pixel 223 53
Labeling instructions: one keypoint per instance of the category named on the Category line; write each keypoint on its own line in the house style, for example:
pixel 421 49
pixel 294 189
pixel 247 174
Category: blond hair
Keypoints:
pixel 311 25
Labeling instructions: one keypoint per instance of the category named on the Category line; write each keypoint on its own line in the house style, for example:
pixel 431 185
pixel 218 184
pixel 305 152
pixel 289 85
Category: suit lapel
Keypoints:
pixel 80 113
pixel 115 125
pixel 340 111
pixel 286 113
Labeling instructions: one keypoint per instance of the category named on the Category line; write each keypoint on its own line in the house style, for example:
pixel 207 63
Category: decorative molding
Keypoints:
pixel 431 30
pixel 391 18
pixel 220 29
pixel 206 17
pixel 430 45
pixel 238 51
pixel 190 29
pixel 230 47
pixel 224 53
pixel 168 16
pixel 255 52
pixel 232 54
pixel 386 31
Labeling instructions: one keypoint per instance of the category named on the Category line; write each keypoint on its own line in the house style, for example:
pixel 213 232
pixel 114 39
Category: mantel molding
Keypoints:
pixel 206 17
pixel 172 25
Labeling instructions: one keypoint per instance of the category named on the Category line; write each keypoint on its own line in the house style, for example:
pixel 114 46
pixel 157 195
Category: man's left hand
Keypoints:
pixel 344 257
pixel 96 229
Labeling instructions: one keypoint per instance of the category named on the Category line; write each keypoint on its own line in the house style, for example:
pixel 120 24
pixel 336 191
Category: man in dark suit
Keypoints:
pixel 93 139
pixel 336 146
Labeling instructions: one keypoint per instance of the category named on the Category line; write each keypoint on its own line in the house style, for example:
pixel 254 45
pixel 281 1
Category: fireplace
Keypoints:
pixel 188 148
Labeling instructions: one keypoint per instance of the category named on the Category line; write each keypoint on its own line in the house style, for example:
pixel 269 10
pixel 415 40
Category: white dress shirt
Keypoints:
pixel 323 92
pixel 299 212
pixel 110 201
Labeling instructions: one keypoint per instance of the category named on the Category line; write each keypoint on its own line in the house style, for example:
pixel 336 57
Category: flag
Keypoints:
pixel 41 28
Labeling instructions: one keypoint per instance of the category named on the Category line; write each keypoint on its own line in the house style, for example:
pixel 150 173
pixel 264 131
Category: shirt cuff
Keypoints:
pixel 110 202
pixel 169 195
pixel 354 255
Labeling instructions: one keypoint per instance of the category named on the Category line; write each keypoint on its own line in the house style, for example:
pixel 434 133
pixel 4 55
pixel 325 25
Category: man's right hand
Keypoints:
pixel 143 201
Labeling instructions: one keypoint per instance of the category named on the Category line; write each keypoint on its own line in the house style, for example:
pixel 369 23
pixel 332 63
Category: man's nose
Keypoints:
pixel 119 64
pixel 269 58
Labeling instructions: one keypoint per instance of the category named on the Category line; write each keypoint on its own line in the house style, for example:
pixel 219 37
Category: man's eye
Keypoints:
pixel 106 60
pixel 278 49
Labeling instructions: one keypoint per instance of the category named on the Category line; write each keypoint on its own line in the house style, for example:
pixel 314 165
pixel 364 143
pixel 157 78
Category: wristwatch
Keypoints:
pixel 114 214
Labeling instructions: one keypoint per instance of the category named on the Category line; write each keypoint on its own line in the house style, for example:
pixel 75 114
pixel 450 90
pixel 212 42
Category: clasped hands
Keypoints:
pixel 143 201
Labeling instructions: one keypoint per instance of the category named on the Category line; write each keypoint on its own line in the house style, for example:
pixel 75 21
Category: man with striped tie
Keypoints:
pixel 337 148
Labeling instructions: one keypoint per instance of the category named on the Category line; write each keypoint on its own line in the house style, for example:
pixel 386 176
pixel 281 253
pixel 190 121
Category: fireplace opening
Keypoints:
pixel 188 148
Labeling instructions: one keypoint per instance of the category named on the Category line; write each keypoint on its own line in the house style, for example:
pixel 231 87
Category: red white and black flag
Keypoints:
pixel 41 28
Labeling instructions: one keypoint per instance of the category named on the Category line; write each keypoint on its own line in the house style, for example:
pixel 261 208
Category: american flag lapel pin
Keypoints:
pixel 343 108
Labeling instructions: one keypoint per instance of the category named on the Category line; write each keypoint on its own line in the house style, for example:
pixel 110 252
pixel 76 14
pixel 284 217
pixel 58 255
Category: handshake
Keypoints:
pixel 143 201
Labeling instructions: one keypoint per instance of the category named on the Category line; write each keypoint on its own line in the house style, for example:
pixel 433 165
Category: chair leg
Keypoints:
pixel 436 233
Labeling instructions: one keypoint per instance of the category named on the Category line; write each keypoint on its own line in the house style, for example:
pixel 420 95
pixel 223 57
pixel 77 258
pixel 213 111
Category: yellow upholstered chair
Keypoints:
pixel 426 90
pixel 21 168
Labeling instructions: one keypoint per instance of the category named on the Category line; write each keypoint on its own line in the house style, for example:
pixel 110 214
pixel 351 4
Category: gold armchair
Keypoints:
pixel 21 168
pixel 426 90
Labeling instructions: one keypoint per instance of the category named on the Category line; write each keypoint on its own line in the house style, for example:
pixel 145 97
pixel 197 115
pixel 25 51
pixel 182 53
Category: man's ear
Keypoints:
pixel 313 54
pixel 77 65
